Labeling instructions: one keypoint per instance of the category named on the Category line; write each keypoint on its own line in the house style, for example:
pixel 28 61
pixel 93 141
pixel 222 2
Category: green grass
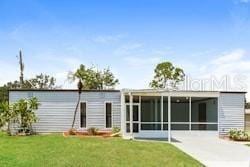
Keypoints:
pixel 55 150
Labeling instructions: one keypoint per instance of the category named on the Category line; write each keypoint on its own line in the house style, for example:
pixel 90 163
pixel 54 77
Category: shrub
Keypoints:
pixel 92 131
pixel 238 135
pixel 72 131
pixel 116 129
pixel 116 132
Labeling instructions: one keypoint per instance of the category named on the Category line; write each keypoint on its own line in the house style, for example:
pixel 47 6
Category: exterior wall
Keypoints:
pixel 231 112
pixel 56 110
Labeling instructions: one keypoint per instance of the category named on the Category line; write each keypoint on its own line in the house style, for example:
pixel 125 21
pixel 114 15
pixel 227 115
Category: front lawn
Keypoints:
pixel 55 150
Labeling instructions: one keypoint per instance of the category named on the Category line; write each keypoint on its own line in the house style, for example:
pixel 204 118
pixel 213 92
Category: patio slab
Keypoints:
pixel 211 150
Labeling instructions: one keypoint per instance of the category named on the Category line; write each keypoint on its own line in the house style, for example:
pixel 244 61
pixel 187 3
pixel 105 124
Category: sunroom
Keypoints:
pixel 157 113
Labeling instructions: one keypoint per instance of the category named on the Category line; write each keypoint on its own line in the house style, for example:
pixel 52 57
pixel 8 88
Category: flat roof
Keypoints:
pixel 164 90
pixel 127 90
pixel 66 90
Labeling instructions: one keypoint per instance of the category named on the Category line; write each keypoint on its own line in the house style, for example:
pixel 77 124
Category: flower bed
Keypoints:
pixel 92 131
pixel 238 135
pixel 86 133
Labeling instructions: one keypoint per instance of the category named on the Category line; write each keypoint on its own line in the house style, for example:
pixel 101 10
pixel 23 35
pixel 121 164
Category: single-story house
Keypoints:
pixel 139 113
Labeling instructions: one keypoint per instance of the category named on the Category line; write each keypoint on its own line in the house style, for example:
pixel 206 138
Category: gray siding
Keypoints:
pixel 56 109
pixel 231 112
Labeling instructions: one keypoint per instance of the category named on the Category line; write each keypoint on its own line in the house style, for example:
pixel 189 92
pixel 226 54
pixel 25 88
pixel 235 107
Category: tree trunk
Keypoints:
pixel 78 101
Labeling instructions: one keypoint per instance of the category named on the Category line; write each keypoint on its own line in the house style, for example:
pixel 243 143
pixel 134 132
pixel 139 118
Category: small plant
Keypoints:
pixel 72 131
pixel 92 131
pixel 238 135
pixel 116 132
pixel 116 129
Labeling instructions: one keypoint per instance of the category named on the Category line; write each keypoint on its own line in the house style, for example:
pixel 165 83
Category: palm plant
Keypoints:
pixel 79 86
pixel 7 115
pixel 25 111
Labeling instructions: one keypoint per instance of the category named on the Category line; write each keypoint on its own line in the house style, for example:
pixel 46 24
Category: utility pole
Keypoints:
pixel 21 68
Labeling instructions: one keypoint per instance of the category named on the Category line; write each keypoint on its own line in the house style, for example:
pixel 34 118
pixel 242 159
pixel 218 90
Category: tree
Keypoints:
pixel 41 81
pixel 22 113
pixel 4 95
pixel 92 78
pixel 79 86
pixel 25 113
pixel 247 105
pixel 167 76
pixel 5 113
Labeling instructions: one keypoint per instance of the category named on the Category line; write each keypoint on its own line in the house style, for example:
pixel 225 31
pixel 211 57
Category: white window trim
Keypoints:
pixel 112 123
pixel 79 109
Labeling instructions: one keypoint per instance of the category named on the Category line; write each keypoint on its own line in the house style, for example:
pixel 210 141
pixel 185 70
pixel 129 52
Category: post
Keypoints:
pixel 162 113
pixel 131 115
pixel 21 68
pixel 123 114
pixel 169 118
pixel 190 113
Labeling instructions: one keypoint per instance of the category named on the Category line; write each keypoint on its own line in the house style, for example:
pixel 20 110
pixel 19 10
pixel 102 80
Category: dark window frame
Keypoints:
pixel 83 124
pixel 108 116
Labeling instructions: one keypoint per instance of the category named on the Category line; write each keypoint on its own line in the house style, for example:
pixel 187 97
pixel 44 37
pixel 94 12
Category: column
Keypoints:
pixel 131 115
pixel 162 113
pixel 190 113
pixel 169 118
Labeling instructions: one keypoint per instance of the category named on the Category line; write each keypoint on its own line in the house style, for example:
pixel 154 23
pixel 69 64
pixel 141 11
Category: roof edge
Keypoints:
pixel 65 90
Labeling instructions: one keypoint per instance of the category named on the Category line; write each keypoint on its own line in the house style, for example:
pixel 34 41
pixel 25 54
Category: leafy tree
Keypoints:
pixel 247 105
pixel 167 76
pixel 5 113
pixel 21 112
pixel 92 78
pixel 41 81
pixel 24 109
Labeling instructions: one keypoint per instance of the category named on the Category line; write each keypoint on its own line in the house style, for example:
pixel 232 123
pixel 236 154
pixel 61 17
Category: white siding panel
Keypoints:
pixel 56 110
pixel 231 112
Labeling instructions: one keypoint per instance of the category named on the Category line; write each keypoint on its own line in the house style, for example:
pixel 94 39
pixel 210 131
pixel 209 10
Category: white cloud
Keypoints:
pixel 233 56
pixel 244 1
pixel 142 61
pixel 241 1
pixel 234 64
pixel 128 48
pixel 107 38
pixel 8 71
pixel 229 63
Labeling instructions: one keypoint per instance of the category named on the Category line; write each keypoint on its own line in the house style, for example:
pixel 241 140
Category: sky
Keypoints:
pixel 208 39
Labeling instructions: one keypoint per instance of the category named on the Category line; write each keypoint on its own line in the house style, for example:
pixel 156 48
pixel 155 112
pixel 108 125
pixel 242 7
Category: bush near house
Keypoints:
pixel 238 135
pixel 116 132
pixel 92 131
pixel 20 113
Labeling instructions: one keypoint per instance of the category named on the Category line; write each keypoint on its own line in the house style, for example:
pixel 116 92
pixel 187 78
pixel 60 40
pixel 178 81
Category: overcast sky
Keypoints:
pixel 208 38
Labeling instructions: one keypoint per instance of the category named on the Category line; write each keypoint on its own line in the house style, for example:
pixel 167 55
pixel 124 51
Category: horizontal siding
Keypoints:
pixel 231 112
pixel 56 110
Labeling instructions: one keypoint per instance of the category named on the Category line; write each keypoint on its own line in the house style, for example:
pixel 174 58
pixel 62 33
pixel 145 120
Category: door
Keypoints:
pixel 202 115
pixel 135 118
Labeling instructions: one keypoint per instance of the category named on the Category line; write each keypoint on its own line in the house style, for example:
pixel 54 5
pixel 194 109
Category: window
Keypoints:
pixel 108 115
pixel 83 114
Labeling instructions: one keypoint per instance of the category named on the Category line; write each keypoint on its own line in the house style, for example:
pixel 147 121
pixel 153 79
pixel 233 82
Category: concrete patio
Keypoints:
pixel 212 151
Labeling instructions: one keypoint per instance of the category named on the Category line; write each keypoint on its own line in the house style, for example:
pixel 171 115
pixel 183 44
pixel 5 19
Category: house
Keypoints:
pixel 146 113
